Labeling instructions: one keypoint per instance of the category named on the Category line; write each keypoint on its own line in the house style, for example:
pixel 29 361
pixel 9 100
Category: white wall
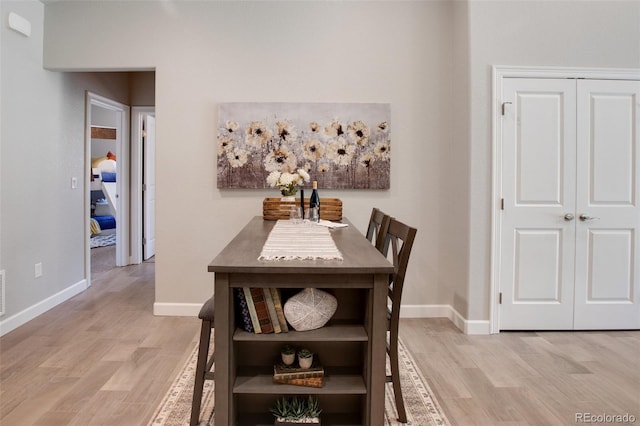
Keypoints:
pixel 531 33
pixel 41 149
pixel 212 52
pixel 431 60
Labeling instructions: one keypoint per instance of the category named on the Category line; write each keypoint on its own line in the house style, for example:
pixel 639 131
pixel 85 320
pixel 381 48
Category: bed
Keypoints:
pixel 103 195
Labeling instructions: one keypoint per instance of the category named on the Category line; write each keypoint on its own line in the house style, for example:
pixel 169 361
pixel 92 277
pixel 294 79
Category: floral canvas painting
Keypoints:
pixel 340 145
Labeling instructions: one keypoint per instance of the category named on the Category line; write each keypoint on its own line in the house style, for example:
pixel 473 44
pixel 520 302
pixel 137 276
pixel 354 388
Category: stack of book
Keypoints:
pixel 294 375
pixel 260 310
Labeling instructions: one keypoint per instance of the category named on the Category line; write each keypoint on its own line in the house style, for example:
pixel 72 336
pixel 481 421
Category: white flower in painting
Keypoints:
pixel 280 159
pixel 258 133
pixel 323 167
pixel 225 143
pixel 314 127
pixel 340 151
pixel 383 127
pixel 334 129
pixel 286 131
pixel 307 167
pixel 366 160
pixel 231 126
pixel 359 132
pixel 237 157
pixel 313 150
pixel 383 150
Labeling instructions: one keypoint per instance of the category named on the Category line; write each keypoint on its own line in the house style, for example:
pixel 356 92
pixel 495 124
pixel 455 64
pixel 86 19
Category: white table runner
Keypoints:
pixel 305 241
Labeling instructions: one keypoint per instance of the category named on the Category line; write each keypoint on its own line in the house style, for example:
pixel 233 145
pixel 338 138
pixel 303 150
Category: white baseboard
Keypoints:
pixel 15 321
pixel 446 311
pixel 407 311
pixel 177 309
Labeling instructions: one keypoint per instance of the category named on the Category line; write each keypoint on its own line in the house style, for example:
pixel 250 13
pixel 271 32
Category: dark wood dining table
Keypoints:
pixel 354 389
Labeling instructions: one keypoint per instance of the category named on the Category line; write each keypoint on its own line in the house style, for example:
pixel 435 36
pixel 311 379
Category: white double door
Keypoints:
pixel 569 251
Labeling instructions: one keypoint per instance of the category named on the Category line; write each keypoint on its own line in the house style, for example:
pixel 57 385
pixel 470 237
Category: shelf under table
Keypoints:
pixel 263 384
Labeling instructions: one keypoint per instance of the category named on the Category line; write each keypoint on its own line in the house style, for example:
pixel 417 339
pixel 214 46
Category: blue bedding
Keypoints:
pixel 108 177
pixel 106 222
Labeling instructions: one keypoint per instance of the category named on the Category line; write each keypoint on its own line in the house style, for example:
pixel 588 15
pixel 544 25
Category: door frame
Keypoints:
pixel 122 182
pixel 499 74
pixel 137 161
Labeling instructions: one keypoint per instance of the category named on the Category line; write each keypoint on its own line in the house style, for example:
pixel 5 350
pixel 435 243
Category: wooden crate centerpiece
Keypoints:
pixel 275 208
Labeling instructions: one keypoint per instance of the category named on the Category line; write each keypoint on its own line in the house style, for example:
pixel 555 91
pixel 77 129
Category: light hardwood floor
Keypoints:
pixel 102 358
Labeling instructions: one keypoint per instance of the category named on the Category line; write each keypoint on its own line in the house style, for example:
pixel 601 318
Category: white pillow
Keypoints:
pixel 107 165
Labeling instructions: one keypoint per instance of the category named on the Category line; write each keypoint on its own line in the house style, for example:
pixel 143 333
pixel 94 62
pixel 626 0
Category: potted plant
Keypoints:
pixel 305 358
pixel 288 354
pixel 296 411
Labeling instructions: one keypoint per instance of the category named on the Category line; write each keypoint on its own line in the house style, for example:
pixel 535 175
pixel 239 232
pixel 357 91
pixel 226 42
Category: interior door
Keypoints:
pixel 538 189
pixel 569 228
pixel 607 291
pixel 149 188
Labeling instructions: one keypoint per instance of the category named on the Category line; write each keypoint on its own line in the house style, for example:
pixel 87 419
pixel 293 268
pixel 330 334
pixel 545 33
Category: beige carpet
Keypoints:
pixel 422 408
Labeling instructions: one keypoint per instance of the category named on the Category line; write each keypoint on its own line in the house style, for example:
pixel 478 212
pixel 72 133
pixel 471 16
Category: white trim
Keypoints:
pixel 406 311
pixel 122 172
pixel 445 311
pixel 15 321
pixel 137 113
pixel 500 73
pixel 177 309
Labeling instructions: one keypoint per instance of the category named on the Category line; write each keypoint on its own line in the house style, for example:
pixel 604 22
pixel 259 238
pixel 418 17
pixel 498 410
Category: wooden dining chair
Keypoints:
pixel 204 364
pixel 399 238
pixel 378 224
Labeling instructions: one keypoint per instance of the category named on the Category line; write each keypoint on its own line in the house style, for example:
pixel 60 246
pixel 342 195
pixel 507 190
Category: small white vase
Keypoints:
pixel 305 362
pixel 288 359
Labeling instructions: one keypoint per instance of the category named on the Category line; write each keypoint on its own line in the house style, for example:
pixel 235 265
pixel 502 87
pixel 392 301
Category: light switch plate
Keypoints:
pixel 19 24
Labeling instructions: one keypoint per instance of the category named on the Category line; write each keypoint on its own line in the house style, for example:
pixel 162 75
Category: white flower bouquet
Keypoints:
pixel 287 182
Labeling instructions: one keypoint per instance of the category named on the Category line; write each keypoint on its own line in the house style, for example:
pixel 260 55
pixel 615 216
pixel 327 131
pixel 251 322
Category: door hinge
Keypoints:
pixel 144 186
pixel 500 298
pixel 503 104
pixel 501 203
pixel 144 240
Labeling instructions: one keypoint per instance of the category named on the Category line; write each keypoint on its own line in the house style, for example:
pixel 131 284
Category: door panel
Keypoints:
pixel 607 257
pixel 534 284
pixel 610 266
pixel 539 144
pixel 536 266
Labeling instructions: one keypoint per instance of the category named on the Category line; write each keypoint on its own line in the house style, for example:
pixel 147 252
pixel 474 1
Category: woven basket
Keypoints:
pixel 275 208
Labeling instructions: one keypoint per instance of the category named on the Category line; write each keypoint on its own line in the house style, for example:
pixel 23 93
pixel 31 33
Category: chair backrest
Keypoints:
pixel 399 237
pixel 377 230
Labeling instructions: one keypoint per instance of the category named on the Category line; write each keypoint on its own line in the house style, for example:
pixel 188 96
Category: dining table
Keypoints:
pixel 351 345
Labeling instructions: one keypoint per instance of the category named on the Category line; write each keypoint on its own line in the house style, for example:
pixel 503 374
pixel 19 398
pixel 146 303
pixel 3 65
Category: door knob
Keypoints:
pixel 568 217
pixel 583 217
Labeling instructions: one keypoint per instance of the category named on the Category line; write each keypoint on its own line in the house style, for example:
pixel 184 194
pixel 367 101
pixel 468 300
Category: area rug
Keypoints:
pixel 422 407
pixel 103 240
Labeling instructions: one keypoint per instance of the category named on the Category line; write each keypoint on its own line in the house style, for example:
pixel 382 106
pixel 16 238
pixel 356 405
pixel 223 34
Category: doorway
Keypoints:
pixel 567 218
pixel 107 179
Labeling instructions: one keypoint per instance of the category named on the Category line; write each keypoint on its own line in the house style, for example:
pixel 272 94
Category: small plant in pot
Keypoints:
pixel 305 358
pixel 296 411
pixel 288 354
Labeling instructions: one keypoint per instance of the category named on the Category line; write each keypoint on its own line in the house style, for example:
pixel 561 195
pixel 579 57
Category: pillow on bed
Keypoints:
pixel 106 165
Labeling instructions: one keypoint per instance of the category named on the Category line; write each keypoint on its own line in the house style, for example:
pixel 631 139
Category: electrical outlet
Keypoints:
pixel 38 270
